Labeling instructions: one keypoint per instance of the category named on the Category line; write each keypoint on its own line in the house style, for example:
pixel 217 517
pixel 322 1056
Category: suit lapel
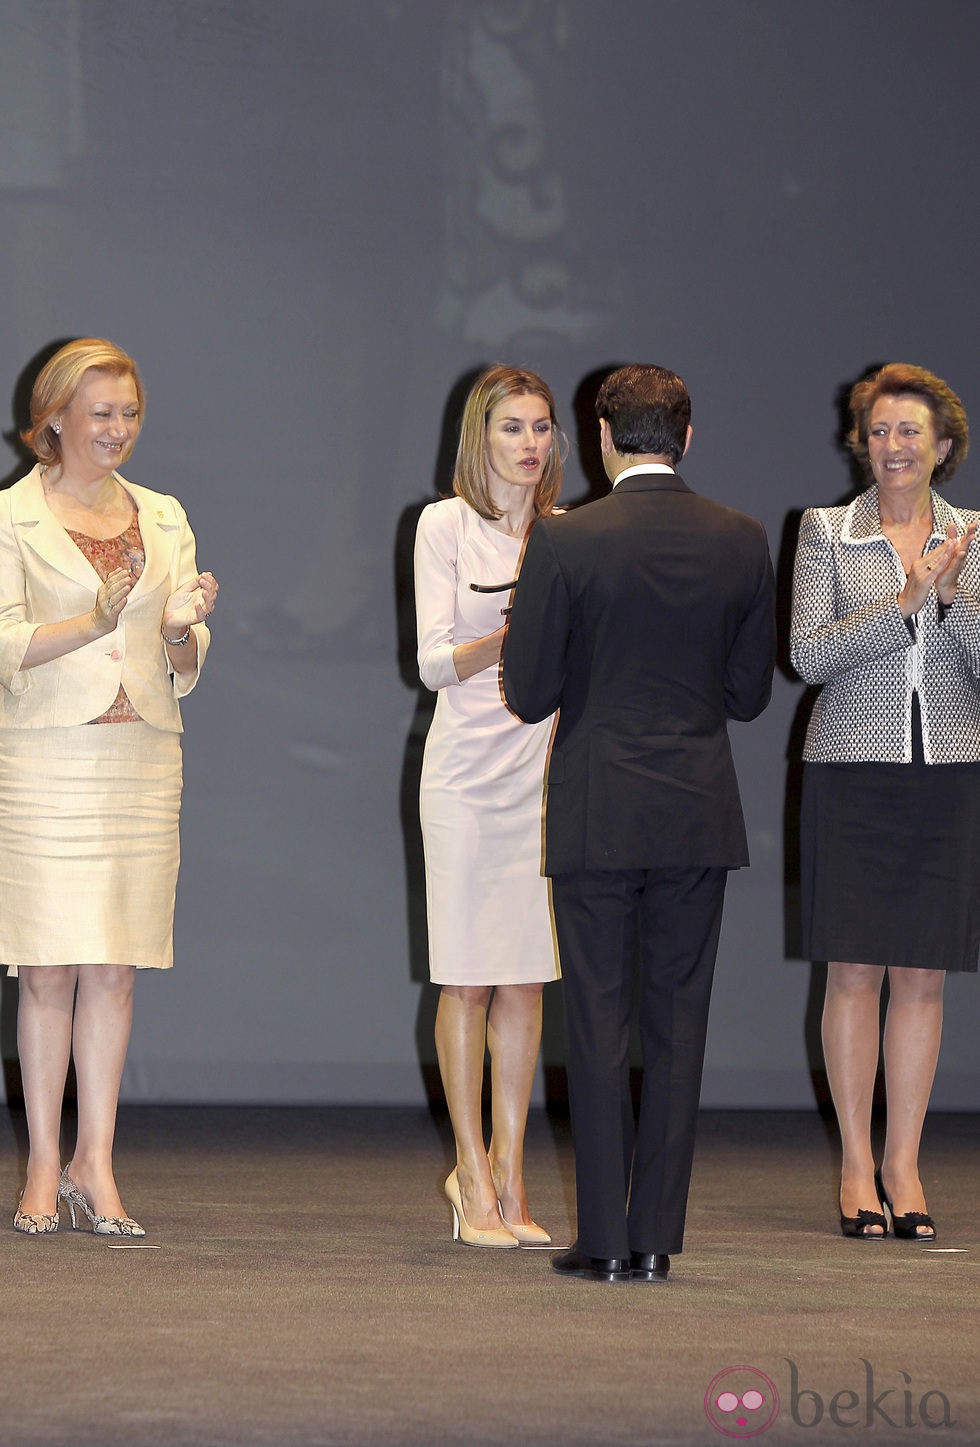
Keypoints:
pixel 158 529
pixel 862 520
pixel 943 513
pixel 41 531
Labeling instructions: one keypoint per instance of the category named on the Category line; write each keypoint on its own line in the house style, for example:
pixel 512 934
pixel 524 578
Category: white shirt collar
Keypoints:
pixel 643 467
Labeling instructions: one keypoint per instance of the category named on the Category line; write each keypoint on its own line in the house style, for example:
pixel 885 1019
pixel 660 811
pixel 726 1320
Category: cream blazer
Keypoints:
pixel 45 578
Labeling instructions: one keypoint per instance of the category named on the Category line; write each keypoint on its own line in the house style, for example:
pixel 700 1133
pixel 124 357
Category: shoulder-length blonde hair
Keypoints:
pixel 58 381
pixel 901 379
pixel 470 479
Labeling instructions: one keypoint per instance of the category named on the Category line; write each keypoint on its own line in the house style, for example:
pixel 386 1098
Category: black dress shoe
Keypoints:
pixel 648 1268
pixel 590 1268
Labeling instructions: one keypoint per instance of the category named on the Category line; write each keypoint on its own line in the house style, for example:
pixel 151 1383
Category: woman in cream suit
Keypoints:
pixel 101 633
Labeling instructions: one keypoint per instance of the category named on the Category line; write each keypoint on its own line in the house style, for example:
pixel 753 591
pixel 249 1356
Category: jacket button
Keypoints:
pixel 115 655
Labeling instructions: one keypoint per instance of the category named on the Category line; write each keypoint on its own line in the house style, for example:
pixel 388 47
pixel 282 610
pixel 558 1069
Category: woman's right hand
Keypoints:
pixel 939 568
pixel 111 598
pixel 947 578
pixel 471 658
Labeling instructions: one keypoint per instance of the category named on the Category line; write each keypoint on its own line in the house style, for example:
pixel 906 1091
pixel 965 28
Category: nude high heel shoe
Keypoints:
pixel 531 1235
pixel 101 1225
pixel 462 1231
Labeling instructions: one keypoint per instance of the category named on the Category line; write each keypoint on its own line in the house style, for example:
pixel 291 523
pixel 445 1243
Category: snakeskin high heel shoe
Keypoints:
pixel 101 1225
pixel 34 1223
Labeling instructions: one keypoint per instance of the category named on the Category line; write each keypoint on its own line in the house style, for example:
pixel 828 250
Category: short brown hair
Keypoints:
pixel 901 379
pixel 58 381
pixel 470 480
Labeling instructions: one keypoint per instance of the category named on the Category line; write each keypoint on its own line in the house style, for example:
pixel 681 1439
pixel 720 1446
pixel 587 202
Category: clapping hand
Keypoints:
pixel 939 568
pixel 190 603
pixel 947 573
pixel 111 598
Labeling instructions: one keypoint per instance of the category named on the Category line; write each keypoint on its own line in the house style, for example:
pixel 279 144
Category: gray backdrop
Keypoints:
pixel 310 220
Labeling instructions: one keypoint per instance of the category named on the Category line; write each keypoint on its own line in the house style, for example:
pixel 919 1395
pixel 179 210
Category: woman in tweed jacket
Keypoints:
pixel 886 619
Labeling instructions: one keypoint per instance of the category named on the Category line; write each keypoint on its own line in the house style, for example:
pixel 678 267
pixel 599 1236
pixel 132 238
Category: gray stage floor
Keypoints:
pixel 304 1289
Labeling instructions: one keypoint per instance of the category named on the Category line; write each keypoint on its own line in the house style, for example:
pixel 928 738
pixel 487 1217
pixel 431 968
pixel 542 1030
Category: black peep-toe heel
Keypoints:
pixel 906 1227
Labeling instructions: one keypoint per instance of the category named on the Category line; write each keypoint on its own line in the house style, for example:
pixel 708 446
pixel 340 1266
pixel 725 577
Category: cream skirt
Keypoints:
pixel 89 847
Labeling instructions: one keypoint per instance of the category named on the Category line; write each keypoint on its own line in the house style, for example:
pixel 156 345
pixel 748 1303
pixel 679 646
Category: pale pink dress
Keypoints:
pixel 482 790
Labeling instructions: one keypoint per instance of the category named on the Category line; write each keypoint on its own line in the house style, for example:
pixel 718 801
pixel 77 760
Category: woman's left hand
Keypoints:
pixel 190 603
pixel 948 562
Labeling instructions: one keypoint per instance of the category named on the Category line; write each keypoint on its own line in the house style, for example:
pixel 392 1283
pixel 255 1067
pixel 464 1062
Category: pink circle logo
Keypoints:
pixel 741 1402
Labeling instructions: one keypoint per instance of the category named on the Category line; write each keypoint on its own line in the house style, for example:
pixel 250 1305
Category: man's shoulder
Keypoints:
pixel 609 512
pixel 729 516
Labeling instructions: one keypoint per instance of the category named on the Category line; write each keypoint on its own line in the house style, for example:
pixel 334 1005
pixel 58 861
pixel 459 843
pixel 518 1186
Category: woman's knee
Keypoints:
pixel 106 982
pixel 474 997
pixel 47 985
pixel 530 993
pixel 857 981
pixel 911 986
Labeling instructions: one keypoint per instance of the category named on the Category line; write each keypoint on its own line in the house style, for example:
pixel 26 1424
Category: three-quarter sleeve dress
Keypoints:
pixel 483 772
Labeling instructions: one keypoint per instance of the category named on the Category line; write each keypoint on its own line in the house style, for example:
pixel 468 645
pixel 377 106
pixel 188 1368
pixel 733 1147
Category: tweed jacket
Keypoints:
pixel 849 636
pixel 45 578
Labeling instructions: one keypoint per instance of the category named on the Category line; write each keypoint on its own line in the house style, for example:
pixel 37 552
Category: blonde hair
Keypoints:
pixel 470 479
pixel 58 381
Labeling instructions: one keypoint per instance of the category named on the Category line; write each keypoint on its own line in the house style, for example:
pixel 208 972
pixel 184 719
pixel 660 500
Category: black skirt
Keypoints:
pixel 890 864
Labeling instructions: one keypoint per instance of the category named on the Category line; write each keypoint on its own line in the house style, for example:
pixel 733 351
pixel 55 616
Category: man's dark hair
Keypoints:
pixel 648 410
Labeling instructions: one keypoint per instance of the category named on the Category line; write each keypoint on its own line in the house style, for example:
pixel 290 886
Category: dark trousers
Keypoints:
pixel 632 1185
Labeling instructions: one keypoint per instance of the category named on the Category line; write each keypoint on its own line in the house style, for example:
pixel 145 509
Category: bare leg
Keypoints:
pixel 44 1016
pixel 461 1040
pixel 850 1048
pixel 514 1038
pixel 913 1030
pixel 103 1019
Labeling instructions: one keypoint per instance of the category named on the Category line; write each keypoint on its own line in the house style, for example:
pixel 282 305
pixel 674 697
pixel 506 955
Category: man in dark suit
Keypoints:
pixel 647 619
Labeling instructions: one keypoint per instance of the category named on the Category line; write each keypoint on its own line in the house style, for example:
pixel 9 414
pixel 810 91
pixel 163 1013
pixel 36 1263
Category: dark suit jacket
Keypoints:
pixel 648 619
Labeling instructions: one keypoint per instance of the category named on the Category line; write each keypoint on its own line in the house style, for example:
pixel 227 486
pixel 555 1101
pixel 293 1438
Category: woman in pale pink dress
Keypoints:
pixel 491 941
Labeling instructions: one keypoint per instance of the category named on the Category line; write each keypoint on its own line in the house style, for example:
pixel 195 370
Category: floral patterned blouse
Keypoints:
pixel 106 554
